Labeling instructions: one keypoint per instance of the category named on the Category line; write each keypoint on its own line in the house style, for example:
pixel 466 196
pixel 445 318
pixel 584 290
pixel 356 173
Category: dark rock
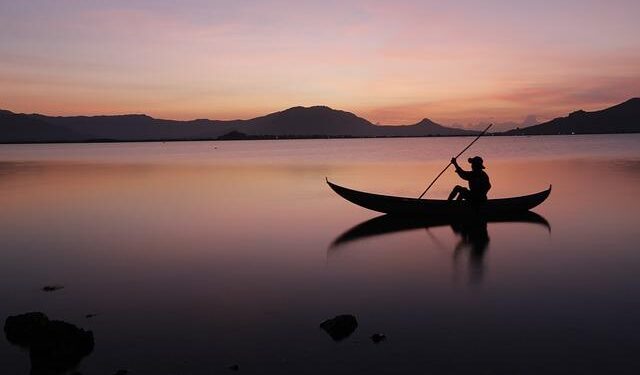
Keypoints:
pixel 121 372
pixel 51 288
pixel 24 329
pixel 340 327
pixel 378 337
pixel 89 316
pixel 54 346
pixel 234 367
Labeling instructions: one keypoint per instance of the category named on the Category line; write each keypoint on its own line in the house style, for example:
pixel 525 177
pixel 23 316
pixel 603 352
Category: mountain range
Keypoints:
pixel 621 118
pixel 296 122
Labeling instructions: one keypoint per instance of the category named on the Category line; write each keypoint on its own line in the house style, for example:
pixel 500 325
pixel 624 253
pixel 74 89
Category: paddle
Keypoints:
pixel 448 165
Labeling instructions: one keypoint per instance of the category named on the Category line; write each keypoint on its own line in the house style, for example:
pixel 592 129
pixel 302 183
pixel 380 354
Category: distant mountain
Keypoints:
pixel 16 128
pixel 621 118
pixel 424 127
pixel 136 127
pixel 318 121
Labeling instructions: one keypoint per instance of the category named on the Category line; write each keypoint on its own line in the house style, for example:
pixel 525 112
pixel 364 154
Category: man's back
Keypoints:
pixel 479 183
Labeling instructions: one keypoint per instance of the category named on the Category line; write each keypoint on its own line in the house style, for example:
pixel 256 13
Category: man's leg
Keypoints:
pixel 464 194
pixel 459 191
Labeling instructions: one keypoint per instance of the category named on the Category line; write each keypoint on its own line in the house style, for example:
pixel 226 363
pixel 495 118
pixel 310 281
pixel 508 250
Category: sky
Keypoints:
pixel 391 62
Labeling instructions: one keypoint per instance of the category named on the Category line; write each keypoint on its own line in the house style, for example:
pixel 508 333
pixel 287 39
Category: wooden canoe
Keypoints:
pixel 438 207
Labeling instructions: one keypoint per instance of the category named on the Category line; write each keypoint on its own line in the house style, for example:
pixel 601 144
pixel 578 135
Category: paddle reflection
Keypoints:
pixel 473 234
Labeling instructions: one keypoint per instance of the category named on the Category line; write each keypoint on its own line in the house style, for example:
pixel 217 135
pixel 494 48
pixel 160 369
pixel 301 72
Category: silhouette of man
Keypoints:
pixel 474 237
pixel 479 183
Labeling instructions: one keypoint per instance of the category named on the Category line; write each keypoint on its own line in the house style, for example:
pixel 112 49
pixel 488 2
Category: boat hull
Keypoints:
pixel 438 207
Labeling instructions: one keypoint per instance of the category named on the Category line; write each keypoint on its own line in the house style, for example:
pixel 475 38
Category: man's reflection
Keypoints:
pixel 473 234
pixel 474 241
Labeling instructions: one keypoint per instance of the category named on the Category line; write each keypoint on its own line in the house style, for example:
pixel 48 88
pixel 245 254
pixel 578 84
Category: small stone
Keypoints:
pixel 378 337
pixel 51 288
pixel 121 372
pixel 89 316
pixel 340 327
pixel 234 367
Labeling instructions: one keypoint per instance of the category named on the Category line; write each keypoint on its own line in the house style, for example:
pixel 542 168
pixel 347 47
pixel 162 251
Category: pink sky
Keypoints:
pixel 461 62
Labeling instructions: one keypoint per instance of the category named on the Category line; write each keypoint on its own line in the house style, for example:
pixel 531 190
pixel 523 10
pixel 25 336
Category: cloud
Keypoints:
pixel 394 63
pixel 588 92
pixel 530 120
pixel 507 104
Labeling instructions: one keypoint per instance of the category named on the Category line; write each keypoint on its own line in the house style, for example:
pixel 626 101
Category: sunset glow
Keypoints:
pixel 463 62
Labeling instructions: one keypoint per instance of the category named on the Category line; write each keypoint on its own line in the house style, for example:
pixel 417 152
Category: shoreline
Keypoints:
pixel 290 137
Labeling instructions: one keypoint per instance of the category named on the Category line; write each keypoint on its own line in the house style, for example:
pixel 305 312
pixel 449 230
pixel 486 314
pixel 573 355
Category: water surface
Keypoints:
pixel 199 255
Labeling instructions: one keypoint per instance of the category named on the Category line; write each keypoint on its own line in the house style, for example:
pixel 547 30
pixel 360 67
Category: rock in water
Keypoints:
pixel 340 327
pixel 378 337
pixel 53 345
pixel 51 288
pixel 24 329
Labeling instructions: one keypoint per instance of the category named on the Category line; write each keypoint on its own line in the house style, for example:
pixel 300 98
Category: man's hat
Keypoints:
pixel 476 160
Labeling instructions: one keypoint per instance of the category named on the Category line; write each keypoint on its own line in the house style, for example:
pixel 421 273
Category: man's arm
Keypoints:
pixel 454 161
pixel 461 172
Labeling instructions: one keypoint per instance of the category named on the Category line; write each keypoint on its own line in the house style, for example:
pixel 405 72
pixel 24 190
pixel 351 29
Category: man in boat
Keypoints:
pixel 479 183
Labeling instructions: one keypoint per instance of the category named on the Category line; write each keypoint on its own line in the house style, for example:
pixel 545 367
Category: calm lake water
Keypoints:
pixel 199 255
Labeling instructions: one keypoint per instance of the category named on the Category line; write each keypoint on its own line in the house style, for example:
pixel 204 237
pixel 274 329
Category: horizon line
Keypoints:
pixel 455 126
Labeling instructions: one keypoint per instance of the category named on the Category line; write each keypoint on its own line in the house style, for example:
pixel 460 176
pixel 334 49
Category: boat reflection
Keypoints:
pixel 473 234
